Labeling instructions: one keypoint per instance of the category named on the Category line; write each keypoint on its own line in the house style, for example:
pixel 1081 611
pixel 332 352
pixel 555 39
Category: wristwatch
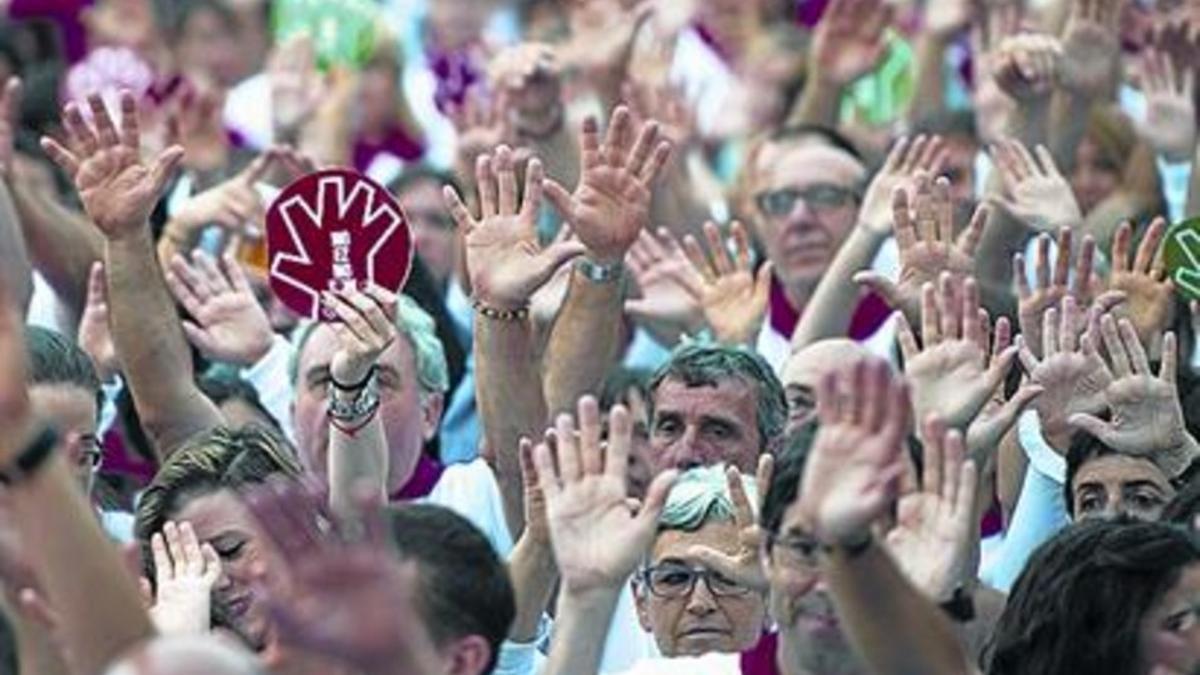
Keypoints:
pixel 597 273
pixel 364 403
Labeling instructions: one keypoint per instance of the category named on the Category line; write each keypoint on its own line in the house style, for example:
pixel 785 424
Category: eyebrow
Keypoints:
pixel 1141 483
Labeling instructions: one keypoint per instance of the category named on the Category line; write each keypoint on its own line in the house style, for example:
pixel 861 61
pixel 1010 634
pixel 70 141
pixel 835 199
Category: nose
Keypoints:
pixel 701 601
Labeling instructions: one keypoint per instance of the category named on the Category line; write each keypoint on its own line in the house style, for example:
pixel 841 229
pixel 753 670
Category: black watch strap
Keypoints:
pixel 31 458
pixel 961 606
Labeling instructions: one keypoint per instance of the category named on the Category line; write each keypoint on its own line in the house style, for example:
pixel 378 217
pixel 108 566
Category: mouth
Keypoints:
pixel 239 606
pixel 705 633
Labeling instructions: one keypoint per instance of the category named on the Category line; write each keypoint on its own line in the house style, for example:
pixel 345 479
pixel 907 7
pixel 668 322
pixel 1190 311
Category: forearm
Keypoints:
pixel 508 390
pixel 828 312
pixel 151 345
pixel 100 614
pixel 581 626
pixel 894 628
pixel 61 243
pixel 1193 190
pixel 1028 122
pixel 929 95
pixel 1067 120
pixel 584 341
pixel 534 574
pixel 14 257
pixel 356 459
pixel 818 104
pixel 1003 236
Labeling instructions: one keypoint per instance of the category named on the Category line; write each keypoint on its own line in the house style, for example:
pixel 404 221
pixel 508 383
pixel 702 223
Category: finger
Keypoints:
pixel 212 563
pixel 589 142
pixel 952 461
pixel 1062 261
pixel 944 210
pixel 485 183
pixel 164 168
pixel 930 319
pixel 1050 324
pixel 904 335
pixel 1028 361
pixel 720 252
pixel 1169 365
pixel 1120 247
pixel 1149 247
pixel 588 412
pixel 1093 426
pixel 65 159
pixel 1117 357
pixel 695 255
pixel 764 475
pixel 656 499
pixel 506 181
pixel 743 512
pixel 971 329
pixel 535 177
pixel 214 279
pixel 875 407
pixel 950 307
pixel 458 210
pixel 80 133
pixel 968 241
pixel 902 223
pixel 105 131
pixel 881 286
pixel 925 208
pixel 569 462
pixel 1041 262
pixel 662 153
pixel 1019 275
pixel 189 545
pixel 1138 361
pixel 642 147
pixel 616 142
pixel 1082 286
pixel 559 198
pixel 163 569
pixel 548 478
pixel 934 433
pixel 235 274
pixel 741 245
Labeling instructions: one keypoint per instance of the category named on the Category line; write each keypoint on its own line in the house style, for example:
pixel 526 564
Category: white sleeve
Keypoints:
pixel 271 377
pixel 470 489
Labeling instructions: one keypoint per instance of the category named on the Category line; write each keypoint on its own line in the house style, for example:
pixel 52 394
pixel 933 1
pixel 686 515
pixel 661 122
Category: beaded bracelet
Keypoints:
pixel 497 314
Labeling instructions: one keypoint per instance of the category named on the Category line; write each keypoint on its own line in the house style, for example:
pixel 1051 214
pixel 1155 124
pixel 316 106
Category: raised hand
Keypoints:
pixel 745 567
pixel 196 122
pixel 665 103
pixel 1026 65
pixel 505 264
pixel 733 297
pixel 998 415
pixel 185 572
pixel 849 40
pixel 528 77
pixel 668 287
pixel 1090 47
pixel 297 87
pixel 853 470
pixel 603 34
pixel 949 374
pixel 366 326
pixel 1039 195
pixel 1147 418
pixel 597 538
pixel 1048 291
pixel 925 236
pixel 117 189
pixel 347 597
pixel 227 323
pixel 906 160
pixel 1149 291
pixel 1070 371
pixel 611 204
pixel 95 334
pixel 1170 124
pixel 234 205
pixel 483 122
pixel 935 521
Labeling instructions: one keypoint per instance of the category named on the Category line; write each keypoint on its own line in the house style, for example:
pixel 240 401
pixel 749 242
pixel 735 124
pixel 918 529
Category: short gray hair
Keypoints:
pixel 413 323
pixel 699 496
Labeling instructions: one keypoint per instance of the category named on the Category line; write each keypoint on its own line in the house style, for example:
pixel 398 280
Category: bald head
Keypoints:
pixel 804 369
pixel 191 655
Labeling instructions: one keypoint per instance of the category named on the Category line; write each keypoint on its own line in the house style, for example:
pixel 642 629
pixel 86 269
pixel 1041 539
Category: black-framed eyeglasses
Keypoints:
pixel 821 198
pixel 678 581
pixel 797 549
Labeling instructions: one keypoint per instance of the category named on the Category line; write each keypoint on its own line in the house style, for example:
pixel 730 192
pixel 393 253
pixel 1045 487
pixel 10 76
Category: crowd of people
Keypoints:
pixel 800 337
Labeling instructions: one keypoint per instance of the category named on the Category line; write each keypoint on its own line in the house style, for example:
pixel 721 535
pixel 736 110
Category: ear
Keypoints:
pixel 467 656
pixel 641 602
pixel 431 414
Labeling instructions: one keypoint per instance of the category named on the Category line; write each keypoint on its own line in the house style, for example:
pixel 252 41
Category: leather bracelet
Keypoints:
pixel 32 458
pixel 497 314
pixel 361 384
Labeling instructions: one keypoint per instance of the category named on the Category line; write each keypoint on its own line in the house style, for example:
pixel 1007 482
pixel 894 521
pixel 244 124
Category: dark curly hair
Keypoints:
pixel 1079 604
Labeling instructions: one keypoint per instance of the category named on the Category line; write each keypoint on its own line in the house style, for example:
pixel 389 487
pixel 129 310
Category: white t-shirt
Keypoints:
pixel 470 490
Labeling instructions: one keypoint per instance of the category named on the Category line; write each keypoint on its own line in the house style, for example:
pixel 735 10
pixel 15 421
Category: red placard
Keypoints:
pixel 335 230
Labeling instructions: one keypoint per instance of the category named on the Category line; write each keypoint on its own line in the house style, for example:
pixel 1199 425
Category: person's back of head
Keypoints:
pixel 466 597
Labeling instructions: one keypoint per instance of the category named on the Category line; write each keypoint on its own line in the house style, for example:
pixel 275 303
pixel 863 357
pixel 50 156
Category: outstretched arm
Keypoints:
pixel 118 192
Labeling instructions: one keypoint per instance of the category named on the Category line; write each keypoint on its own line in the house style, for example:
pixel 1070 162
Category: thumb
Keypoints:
pixel 164 168
pixel 1093 426
pixel 1013 407
pixel 255 170
pixel 656 500
pixel 559 198
pixel 1000 366
pixel 881 286
pixel 555 256
pixel 197 336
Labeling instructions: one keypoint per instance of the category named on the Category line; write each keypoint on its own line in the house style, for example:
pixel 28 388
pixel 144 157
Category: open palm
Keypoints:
pixel 611 204
pixel 117 189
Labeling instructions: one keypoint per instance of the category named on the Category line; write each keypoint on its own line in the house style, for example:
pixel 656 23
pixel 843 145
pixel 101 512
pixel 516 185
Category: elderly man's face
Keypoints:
pixel 705 425
pixel 409 419
pixel 805 202
pixel 692 614
pixel 1120 485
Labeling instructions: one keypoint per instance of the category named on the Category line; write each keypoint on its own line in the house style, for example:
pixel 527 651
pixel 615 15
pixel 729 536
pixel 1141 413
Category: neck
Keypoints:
pixel 798 294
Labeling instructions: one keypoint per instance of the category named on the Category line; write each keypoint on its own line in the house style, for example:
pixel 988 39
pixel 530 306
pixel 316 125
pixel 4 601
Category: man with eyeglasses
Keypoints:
pixel 690 608
pixel 801 194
